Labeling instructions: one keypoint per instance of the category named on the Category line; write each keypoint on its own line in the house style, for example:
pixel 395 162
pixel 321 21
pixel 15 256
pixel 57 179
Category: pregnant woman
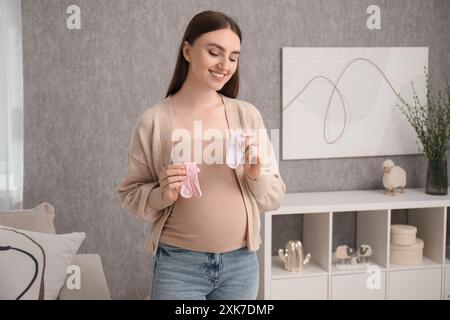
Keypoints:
pixel 205 214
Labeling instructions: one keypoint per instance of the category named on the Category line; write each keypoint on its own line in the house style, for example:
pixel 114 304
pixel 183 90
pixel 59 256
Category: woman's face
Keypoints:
pixel 214 57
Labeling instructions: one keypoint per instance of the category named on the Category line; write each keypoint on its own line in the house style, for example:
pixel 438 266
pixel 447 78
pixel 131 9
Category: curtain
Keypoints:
pixel 11 106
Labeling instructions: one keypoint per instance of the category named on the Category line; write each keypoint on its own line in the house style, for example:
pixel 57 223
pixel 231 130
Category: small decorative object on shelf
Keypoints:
pixel 347 257
pixel 343 255
pixel 406 249
pixel 393 177
pixel 437 181
pixel 432 126
pixel 294 257
pixel 364 252
pixel 403 234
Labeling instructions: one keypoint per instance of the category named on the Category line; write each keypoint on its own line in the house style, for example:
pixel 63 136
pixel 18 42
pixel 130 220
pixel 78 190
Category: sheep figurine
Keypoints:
pixel 343 255
pixel 393 177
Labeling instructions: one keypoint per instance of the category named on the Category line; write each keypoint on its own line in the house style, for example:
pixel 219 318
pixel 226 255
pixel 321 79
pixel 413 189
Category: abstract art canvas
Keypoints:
pixel 342 102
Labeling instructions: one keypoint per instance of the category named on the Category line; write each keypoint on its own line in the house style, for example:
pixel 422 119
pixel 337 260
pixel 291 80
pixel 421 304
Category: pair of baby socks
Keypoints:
pixel 234 157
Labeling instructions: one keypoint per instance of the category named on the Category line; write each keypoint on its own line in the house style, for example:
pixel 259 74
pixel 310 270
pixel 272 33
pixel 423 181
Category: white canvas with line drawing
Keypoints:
pixel 341 102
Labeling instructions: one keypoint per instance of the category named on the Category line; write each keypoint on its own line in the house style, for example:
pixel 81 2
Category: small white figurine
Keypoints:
pixel 364 252
pixel 393 177
pixel 348 257
pixel 343 254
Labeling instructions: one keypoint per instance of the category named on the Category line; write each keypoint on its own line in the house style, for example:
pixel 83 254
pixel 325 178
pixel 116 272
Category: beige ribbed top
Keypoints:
pixel 215 222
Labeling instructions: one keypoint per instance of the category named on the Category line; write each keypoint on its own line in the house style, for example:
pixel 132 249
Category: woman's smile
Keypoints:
pixel 217 76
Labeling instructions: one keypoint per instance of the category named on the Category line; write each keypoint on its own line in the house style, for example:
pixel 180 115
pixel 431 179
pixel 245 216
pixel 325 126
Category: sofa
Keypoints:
pixel 93 281
pixel 41 219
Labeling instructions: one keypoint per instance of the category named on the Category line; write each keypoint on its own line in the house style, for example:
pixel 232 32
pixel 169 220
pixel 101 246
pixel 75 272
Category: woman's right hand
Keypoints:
pixel 171 180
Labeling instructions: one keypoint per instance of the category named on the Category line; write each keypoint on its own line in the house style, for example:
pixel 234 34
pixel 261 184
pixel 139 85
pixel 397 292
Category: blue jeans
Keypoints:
pixel 191 275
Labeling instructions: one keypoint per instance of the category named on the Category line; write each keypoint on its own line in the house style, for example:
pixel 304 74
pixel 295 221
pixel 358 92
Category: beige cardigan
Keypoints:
pixel 149 152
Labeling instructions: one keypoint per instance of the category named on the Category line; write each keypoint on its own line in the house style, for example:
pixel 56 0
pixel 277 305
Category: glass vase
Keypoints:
pixel 437 183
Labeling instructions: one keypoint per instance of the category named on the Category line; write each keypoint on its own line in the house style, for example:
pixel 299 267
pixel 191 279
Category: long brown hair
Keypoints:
pixel 201 23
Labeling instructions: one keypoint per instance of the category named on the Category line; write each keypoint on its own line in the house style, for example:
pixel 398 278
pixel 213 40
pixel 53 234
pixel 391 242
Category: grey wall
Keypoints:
pixel 85 89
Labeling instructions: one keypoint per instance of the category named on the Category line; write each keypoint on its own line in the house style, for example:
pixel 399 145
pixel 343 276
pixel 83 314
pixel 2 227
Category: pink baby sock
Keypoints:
pixel 190 184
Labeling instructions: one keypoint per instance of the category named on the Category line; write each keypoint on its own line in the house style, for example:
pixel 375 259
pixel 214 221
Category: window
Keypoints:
pixel 11 106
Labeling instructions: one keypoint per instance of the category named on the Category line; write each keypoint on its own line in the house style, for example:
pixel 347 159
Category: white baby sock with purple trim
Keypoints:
pixel 235 150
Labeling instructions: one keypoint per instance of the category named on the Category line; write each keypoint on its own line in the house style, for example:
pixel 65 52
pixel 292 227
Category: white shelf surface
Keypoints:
pixel 358 200
pixel 352 269
pixel 309 270
pixel 426 263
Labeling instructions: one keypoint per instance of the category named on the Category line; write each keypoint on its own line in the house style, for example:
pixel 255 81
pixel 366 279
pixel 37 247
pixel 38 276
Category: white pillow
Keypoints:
pixel 17 268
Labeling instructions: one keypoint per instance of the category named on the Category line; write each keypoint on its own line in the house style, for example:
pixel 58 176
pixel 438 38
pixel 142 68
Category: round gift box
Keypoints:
pixel 407 255
pixel 403 234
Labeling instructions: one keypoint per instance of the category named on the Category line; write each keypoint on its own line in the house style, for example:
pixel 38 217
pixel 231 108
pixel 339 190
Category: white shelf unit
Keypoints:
pixel 321 279
pixel 447 283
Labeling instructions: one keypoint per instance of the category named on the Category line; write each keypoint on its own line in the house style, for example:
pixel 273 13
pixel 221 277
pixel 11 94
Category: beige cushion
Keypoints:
pixel 39 219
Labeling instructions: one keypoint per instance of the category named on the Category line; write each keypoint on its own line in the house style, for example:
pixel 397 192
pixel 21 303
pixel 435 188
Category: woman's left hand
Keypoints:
pixel 252 161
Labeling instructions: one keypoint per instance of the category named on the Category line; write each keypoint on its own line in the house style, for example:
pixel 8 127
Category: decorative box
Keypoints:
pixel 403 235
pixel 407 255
